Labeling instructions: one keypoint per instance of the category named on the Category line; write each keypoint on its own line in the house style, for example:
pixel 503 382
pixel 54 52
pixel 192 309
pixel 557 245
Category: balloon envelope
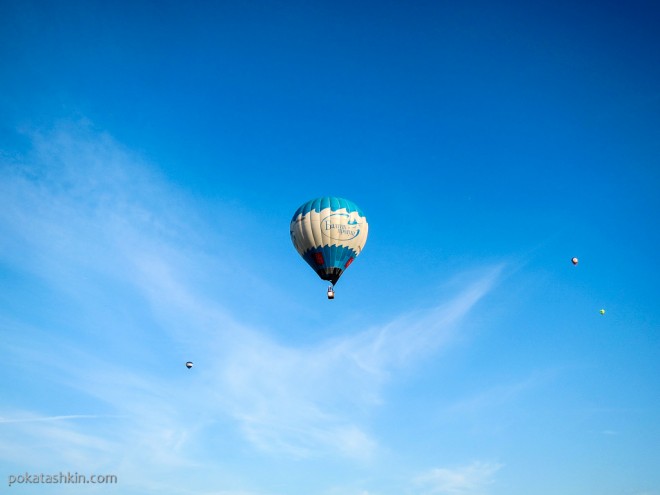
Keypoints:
pixel 574 261
pixel 329 233
pixel 189 364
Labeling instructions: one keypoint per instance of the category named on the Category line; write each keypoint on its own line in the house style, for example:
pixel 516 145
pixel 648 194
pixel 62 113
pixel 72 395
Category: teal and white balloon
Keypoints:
pixel 329 233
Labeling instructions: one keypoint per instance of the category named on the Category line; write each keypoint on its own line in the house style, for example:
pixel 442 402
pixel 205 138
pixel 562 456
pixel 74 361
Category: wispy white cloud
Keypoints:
pixel 472 479
pixel 99 228
pixel 299 398
pixel 41 442
pixel 499 394
pixel 53 418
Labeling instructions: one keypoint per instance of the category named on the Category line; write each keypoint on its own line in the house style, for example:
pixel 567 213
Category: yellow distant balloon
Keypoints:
pixel 602 311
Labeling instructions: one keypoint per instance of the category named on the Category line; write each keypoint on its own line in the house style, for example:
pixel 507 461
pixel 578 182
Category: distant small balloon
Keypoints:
pixel 574 261
pixel 602 311
pixel 189 364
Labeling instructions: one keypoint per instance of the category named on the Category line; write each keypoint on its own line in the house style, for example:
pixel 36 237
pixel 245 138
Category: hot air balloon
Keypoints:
pixel 602 311
pixel 574 261
pixel 329 233
pixel 189 364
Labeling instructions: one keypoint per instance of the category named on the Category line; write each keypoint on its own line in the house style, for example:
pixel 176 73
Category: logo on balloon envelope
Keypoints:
pixel 340 227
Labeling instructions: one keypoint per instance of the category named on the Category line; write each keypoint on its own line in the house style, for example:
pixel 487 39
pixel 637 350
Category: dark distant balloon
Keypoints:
pixel 189 364
pixel 574 261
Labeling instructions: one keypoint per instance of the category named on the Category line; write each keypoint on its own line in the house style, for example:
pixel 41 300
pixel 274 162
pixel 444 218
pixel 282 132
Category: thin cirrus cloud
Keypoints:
pixel 471 479
pixel 94 224
pixel 50 418
pixel 296 399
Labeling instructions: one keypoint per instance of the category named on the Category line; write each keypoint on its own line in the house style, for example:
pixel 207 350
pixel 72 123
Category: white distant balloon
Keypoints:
pixel 574 261
pixel 189 364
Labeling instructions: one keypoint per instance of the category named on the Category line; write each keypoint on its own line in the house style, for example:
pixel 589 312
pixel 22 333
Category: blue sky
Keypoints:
pixel 151 157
